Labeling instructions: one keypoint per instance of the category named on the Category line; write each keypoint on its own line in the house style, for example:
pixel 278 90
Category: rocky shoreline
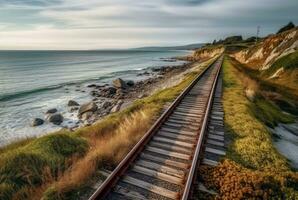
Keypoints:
pixel 113 97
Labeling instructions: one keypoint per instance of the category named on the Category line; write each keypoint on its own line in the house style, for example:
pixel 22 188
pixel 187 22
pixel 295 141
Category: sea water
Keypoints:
pixel 31 82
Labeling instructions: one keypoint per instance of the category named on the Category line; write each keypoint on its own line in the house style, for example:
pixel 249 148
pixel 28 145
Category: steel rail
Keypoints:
pixel 195 161
pixel 112 179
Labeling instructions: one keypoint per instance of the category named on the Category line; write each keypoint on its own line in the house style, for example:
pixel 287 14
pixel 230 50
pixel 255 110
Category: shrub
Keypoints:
pixel 235 182
pixel 26 166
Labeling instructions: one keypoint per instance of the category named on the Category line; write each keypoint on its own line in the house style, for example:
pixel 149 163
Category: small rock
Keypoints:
pixel 72 109
pixel 130 83
pixel 146 73
pixel 56 118
pixel 100 86
pixel 37 122
pixel 73 103
pixel 85 116
pixel 108 92
pixel 91 85
pixel 111 90
pixel 156 69
pixel 117 107
pixel 250 94
pixel 94 93
pixel 91 106
pixel 106 104
pixel 142 96
pixel 119 83
pixel 51 111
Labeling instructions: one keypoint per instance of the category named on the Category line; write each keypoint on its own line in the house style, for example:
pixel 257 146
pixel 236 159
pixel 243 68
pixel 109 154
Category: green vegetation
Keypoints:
pixel 252 146
pixel 269 113
pixel 282 91
pixel 288 62
pixel 252 169
pixel 61 165
pixel 287 27
pixel 233 181
pixel 26 167
pixel 112 138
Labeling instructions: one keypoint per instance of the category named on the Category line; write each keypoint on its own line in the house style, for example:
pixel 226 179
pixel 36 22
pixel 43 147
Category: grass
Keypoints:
pixel 112 139
pixel 268 113
pixel 281 88
pixel 105 152
pixel 61 165
pixel 286 83
pixel 252 168
pixel 288 62
pixel 252 146
pixel 287 80
pixel 26 167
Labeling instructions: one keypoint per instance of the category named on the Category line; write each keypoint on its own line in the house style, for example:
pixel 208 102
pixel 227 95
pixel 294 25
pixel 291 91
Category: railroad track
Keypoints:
pixel 163 164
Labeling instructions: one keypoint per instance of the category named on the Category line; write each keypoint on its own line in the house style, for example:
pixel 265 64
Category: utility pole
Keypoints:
pixel 258 32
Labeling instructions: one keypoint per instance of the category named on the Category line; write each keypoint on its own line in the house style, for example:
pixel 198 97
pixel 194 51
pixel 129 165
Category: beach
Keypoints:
pixel 34 82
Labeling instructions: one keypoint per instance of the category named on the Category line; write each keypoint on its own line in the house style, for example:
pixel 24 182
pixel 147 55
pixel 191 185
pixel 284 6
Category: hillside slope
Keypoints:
pixel 205 53
pixel 275 59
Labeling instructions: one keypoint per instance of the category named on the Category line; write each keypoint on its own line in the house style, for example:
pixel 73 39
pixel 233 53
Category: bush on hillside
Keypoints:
pixel 287 27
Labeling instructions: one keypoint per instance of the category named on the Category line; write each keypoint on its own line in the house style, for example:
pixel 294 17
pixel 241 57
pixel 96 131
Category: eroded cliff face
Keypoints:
pixel 206 53
pixel 275 58
pixel 264 54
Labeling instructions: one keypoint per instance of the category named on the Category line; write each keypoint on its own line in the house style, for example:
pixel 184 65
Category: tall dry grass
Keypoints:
pixel 102 145
pixel 105 151
pixel 111 139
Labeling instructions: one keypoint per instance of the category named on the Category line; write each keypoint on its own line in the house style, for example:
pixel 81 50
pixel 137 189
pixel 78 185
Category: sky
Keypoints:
pixel 113 24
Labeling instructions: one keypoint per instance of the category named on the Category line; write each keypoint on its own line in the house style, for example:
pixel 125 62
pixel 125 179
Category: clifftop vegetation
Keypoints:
pixel 252 169
pixel 273 59
pixel 287 27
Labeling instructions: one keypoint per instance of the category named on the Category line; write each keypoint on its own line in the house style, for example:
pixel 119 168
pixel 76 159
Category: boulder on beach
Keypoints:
pixel 87 107
pixel 55 118
pixel 37 122
pixel 51 111
pixel 130 83
pixel 119 83
pixel 72 103
pixel 85 116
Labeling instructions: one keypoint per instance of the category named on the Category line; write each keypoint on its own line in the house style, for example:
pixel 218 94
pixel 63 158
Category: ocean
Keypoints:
pixel 31 82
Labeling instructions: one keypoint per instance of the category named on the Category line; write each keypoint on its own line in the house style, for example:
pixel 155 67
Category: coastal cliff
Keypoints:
pixel 206 52
pixel 274 59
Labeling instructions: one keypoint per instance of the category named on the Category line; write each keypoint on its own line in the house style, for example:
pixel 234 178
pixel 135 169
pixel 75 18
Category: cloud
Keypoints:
pixel 75 24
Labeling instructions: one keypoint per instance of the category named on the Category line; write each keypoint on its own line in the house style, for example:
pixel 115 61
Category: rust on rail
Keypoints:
pixel 117 173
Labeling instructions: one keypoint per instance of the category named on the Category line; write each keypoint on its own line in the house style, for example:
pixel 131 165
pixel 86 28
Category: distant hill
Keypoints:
pixel 183 47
